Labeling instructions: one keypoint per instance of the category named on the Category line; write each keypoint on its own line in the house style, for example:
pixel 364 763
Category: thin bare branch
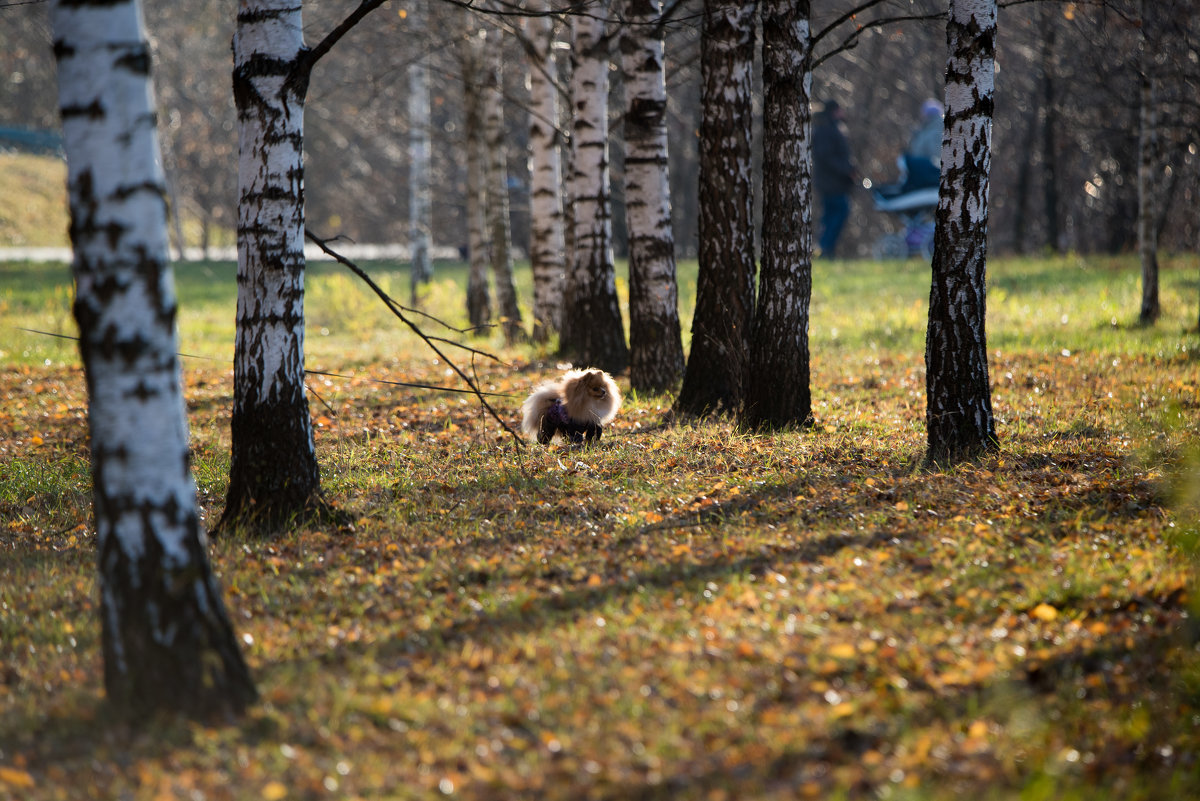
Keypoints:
pixel 851 41
pixel 310 57
pixel 409 384
pixel 397 310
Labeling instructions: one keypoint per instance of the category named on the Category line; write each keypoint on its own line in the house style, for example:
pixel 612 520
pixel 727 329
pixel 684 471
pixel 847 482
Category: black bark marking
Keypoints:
pixel 92 111
pixel 126 191
pixel 260 15
pixel 137 61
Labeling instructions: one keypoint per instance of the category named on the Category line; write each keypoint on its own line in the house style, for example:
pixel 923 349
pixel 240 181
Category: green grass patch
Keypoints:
pixel 680 613
pixel 33 201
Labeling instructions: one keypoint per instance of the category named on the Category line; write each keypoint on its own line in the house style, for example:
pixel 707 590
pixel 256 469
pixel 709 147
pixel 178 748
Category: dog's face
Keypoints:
pixel 595 386
pixel 590 394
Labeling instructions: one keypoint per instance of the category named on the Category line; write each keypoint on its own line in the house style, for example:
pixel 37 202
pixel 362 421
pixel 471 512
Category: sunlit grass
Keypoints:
pixel 858 308
pixel 33 208
pixel 683 612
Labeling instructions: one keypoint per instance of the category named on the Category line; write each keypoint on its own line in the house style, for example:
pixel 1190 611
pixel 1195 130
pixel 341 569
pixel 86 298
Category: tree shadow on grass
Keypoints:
pixel 75 734
pixel 831 758
pixel 1125 498
pixel 1038 688
pixel 1036 696
pixel 518 617
pixel 81 731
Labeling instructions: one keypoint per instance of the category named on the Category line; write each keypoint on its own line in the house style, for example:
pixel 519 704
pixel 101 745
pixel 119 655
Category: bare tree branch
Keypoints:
pixel 851 40
pixel 310 57
pixel 411 385
pixel 851 14
pixel 398 310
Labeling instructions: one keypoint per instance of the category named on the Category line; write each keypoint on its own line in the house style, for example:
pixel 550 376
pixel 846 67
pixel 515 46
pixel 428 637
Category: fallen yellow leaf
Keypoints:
pixel 1045 612
pixel 273 791
pixel 842 650
pixel 15 778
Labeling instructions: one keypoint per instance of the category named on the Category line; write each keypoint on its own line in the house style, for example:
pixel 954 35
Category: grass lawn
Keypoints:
pixel 33 209
pixel 685 612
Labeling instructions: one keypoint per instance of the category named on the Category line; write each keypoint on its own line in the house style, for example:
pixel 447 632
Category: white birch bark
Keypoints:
pixel 958 393
pixel 547 247
pixel 656 348
pixel 420 203
pixel 499 222
pixel 167 641
pixel 471 54
pixel 273 473
pixel 592 331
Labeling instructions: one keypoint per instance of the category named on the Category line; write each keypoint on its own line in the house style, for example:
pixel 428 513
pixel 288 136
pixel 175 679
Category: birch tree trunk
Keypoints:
pixel 479 303
pixel 547 247
pixel 420 203
pixel 566 121
pixel 777 385
pixel 592 330
pixel 1146 185
pixel 718 360
pixel 167 640
pixel 273 475
pixel 959 403
pixel 499 222
pixel 656 348
pixel 1050 125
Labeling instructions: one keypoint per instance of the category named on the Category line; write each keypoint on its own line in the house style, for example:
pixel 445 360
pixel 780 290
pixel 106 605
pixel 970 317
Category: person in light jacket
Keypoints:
pixel 926 141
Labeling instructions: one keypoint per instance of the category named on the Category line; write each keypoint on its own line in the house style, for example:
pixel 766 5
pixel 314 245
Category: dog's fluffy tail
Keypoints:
pixel 536 405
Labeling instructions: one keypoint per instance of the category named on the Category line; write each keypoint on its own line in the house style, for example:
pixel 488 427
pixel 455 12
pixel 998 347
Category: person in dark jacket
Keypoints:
pixel 833 174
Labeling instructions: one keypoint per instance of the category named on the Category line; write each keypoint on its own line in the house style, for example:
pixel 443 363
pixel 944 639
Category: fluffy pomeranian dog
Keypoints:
pixel 578 406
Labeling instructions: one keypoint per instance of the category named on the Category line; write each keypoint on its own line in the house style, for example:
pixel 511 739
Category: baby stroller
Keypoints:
pixel 914 200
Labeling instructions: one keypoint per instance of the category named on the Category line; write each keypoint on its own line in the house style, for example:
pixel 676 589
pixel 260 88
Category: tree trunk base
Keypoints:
pixel 266 518
pixel 764 421
pixel 168 644
pixel 951 455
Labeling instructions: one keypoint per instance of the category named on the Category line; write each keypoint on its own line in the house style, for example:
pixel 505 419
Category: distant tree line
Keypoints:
pixel 1067 114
